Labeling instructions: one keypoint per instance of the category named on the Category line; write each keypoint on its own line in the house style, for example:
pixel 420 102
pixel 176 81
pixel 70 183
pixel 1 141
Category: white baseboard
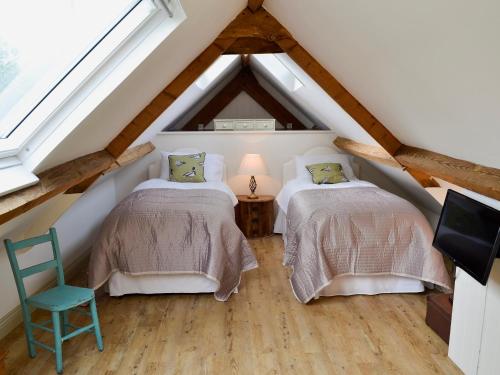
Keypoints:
pixel 15 316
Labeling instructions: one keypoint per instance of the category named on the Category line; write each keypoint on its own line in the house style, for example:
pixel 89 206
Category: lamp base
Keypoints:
pixel 252 185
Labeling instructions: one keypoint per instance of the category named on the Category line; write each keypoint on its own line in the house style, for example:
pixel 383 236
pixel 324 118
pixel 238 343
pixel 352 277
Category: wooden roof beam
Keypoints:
pixel 379 155
pixel 368 152
pixel 250 45
pixel 64 177
pixel 53 182
pixel 475 177
pixel 254 5
pixel 128 157
pixel 423 164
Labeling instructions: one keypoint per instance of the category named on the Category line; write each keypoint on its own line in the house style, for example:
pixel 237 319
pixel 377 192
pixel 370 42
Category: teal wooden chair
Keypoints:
pixel 58 300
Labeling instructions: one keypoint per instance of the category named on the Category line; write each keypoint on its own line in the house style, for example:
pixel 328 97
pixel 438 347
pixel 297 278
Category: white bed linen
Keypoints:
pixel 344 285
pixel 348 285
pixel 120 284
pixel 299 184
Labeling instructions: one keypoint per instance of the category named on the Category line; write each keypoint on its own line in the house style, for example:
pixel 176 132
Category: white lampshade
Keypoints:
pixel 252 165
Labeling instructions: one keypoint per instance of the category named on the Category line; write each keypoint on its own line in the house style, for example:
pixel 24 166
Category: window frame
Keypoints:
pixel 27 147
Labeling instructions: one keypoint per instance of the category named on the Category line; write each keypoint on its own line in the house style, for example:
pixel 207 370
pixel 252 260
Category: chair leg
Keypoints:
pixel 97 328
pixel 65 322
pixel 56 322
pixel 28 331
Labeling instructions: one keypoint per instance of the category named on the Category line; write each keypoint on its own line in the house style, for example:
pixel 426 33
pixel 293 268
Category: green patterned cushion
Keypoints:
pixel 187 168
pixel 326 173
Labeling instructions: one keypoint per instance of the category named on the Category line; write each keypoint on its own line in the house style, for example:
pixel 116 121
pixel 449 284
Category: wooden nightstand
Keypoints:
pixel 255 217
pixel 3 354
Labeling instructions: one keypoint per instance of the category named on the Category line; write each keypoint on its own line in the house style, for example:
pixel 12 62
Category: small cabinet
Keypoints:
pixel 255 217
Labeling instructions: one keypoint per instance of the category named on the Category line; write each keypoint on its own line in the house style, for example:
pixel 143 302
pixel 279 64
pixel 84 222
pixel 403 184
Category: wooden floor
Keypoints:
pixel 261 330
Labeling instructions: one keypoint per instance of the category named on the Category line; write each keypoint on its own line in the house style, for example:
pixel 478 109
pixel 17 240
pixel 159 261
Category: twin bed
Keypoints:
pixel 172 237
pixel 340 239
pixel 352 237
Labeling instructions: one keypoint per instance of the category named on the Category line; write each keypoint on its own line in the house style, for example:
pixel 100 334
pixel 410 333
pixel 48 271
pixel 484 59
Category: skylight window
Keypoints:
pixel 215 70
pixel 48 48
pixel 273 64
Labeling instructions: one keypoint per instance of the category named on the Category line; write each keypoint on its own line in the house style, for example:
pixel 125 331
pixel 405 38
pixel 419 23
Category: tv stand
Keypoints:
pixel 439 308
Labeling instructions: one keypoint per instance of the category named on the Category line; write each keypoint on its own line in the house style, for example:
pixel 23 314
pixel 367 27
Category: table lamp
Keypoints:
pixel 252 165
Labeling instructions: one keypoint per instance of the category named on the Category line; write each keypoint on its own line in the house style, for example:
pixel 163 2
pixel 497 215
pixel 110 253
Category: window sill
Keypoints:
pixel 15 178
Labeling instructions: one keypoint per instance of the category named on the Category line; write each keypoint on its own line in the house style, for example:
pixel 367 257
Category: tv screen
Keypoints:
pixel 468 232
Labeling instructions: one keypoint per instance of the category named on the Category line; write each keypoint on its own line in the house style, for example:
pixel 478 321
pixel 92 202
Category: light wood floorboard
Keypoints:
pixel 260 330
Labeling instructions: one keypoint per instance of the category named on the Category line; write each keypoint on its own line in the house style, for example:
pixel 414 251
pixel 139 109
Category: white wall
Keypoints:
pixel 275 147
pixel 243 106
pixel 430 73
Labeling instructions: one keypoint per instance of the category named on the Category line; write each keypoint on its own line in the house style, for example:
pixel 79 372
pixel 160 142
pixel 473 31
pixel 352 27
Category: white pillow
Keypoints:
pixel 303 160
pixel 213 168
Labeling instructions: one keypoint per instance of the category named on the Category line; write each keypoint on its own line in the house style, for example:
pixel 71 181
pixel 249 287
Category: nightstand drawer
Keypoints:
pixel 255 217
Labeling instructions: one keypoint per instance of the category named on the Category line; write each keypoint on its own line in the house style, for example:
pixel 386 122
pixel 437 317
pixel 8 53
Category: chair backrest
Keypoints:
pixel 20 274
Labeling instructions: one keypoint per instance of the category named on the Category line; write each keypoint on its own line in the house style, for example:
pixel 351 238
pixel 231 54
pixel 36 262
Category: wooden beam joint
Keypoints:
pixel 254 5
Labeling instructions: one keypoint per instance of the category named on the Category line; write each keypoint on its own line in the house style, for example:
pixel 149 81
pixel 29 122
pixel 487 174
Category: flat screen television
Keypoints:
pixel 469 233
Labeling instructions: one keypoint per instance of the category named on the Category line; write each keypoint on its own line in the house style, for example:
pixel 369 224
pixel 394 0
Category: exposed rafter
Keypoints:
pixel 244 81
pixel 53 182
pixel 475 177
pixel 422 164
pixel 369 152
pixel 63 177
pixel 165 98
pixel 128 157
pixel 423 178
pixel 379 155
pixel 254 5
pixel 252 46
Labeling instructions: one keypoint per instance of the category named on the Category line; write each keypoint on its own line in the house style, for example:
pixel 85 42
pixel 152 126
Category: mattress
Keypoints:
pixel 120 284
pixel 348 285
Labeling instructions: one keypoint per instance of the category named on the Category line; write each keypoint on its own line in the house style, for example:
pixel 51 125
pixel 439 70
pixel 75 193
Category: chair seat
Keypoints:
pixel 61 298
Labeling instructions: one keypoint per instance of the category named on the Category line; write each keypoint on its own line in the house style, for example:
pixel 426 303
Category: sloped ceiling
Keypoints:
pixel 429 74
pixel 205 20
pixel 429 71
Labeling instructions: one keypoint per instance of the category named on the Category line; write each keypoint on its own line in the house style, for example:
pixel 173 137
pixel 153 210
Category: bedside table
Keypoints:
pixel 255 217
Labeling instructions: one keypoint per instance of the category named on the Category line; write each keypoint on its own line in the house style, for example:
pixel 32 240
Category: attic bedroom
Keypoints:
pixel 249 187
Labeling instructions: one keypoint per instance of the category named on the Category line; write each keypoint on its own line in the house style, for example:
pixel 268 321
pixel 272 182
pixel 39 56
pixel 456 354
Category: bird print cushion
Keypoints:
pixel 187 168
pixel 327 173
